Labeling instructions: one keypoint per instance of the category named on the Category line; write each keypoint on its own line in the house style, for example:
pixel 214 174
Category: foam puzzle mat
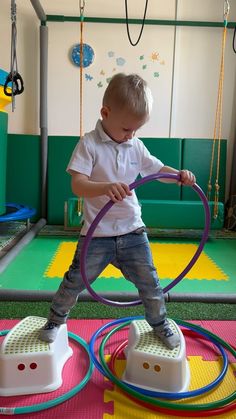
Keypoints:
pixel 100 399
pixel 42 263
pixel 168 258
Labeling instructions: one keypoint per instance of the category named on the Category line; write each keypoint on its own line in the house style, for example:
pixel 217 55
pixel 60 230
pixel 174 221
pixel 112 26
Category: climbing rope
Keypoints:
pixel 14 79
pixel 127 23
pixel 82 5
pixel 218 120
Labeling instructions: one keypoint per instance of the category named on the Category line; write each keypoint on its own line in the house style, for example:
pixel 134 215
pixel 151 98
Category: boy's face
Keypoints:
pixel 120 125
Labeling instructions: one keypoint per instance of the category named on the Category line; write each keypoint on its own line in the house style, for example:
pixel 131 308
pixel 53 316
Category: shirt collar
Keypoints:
pixel 105 138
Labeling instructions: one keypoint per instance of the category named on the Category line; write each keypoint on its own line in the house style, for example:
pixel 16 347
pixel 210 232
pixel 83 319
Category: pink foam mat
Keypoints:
pixel 89 403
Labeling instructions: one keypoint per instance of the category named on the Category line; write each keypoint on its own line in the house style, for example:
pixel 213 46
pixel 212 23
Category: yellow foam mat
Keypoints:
pixel 202 373
pixel 169 259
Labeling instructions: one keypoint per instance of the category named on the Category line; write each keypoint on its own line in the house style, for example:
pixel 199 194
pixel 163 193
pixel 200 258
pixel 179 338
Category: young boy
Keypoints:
pixel 102 166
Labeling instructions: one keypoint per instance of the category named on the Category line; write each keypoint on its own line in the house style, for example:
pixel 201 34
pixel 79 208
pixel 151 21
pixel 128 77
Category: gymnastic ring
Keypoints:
pixel 106 208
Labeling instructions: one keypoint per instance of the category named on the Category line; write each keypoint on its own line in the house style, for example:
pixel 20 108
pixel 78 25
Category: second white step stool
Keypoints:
pixel 150 364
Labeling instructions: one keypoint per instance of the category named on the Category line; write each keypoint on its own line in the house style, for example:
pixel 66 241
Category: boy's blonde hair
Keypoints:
pixel 130 93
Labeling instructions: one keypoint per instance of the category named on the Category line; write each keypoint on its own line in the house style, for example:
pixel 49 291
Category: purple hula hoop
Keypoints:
pixel 106 208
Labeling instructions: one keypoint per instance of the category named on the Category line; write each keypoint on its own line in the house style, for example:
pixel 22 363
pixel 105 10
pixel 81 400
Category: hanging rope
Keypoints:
pixel 82 5
pixel 14 79
pixel 218 120
pixel 127 23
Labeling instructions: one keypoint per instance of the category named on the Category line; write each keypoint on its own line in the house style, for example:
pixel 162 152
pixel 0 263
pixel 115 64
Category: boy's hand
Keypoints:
pixel 117 191
pixel 187 177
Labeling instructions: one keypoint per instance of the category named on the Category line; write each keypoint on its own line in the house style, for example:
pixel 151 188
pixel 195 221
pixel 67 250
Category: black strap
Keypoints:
pixel 234 46
pixel 127 23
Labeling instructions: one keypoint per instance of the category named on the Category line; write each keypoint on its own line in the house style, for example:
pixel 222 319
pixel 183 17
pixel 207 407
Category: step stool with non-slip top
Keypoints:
pixel 150 364
pixel 29 365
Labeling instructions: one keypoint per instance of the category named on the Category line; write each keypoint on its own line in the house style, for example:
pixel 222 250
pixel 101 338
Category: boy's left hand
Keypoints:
pixel 187 177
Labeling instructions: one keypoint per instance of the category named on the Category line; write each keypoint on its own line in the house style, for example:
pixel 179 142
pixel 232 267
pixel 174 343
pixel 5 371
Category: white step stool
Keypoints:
pixel 28 365
pixel 151 365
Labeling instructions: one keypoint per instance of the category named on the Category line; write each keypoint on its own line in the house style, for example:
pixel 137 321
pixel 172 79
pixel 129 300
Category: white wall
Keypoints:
pixel 197 71
pixel 191 110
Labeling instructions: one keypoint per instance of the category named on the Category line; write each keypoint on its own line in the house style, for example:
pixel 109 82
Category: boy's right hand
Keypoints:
pixel 117 191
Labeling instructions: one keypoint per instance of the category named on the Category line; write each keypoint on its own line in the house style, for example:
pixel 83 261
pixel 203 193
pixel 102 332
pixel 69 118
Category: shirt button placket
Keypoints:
pixel 118 158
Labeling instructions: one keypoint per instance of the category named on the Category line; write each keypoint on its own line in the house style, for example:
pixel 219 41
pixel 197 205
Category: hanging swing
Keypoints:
pixel 14 79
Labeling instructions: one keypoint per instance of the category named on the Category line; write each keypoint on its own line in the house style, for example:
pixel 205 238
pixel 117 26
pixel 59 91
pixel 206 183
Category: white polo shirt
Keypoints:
pixel 103 160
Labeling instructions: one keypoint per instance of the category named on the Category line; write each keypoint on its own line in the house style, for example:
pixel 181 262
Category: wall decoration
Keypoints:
pixel 88 77
pixel 120 61
pixel 88 55
pixel 155 56
pixel 149 62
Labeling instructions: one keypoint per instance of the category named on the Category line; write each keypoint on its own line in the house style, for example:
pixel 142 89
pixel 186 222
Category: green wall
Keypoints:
pixel 160 148
pixel 59 152
pixel 197 157
pixel 23 184
pixel 59 189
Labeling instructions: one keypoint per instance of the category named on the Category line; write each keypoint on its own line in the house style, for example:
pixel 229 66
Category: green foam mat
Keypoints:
pixel 29 270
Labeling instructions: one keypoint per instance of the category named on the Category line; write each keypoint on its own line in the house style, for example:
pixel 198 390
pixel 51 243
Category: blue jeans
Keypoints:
pixel 131 254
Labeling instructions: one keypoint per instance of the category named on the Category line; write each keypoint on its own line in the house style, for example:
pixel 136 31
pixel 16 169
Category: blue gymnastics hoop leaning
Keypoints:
pixel 106 208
